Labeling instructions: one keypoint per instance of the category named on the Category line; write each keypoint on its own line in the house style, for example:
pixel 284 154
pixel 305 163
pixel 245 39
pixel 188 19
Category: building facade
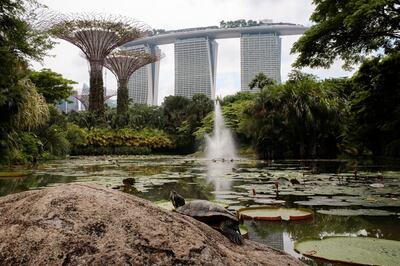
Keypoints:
pixel 143 84
pixel 195 66
pixel 71 104
pixel 259 53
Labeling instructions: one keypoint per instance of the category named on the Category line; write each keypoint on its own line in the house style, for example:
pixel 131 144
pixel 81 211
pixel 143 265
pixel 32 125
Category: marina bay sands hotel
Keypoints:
pixel 196 58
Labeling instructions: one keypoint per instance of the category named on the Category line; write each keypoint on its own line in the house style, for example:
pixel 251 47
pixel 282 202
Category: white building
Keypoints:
pixel 195 67
pixel 143 84
pixel 259 53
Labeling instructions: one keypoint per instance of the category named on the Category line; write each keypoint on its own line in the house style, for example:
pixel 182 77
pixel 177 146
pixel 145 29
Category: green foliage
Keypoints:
pixel 152 138
pixel 197 110
pixel 93 150
pixel 349 30
pixel 260 81
pixel 376 104
pixel 183 118
pixel 55 141
pixel 138 117
pixel 75 135
pixel 297 119
pixel 53 86
pixel 238 23
pixel 240 96
pixel 18 37
pixel 175 111
pixel 20 105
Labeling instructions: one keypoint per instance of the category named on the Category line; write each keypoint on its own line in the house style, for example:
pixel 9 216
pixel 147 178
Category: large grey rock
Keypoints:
pixel 86 224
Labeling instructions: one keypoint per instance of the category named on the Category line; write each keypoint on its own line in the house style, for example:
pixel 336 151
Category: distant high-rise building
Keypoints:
pixel 72 104
pixel 259 53
pixel 143 84
pixel 195 66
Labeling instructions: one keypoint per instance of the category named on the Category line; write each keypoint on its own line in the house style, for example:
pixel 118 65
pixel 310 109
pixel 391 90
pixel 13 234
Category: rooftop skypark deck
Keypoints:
pixel 215 32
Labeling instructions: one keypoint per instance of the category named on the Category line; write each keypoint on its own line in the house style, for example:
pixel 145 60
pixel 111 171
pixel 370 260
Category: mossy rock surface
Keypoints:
pixel 269 213
pixel 352 250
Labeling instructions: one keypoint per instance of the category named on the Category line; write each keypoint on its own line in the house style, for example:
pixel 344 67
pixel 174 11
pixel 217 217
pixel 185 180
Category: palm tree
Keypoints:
pixel 260 81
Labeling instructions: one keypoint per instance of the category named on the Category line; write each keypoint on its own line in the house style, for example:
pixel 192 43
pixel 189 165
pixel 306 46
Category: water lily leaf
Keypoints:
pixel 274 214
pixel 224 203
pixel 356 250
pixel 236 207
pixel 323 202
pixel 377 185
pixel 269 201
pixel 350 212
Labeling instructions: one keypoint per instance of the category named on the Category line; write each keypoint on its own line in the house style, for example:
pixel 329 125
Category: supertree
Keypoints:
pixel 97 36
pixel 123 64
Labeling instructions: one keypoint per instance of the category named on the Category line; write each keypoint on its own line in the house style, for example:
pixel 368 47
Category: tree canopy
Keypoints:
pixel 376 105
pixel 260 81
pixel 20 104
pixel 349 30
pixel 53 86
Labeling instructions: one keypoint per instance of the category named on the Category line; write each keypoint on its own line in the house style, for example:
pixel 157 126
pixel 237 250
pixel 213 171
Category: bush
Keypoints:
pixel 92 150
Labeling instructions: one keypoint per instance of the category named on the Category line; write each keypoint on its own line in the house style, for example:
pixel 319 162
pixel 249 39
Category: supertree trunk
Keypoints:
pixel 122 97
pixel 96 99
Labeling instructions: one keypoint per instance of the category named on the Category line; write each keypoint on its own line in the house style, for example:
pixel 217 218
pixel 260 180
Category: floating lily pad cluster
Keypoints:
pixel 356 212
pixel 274 214
pixel 354 250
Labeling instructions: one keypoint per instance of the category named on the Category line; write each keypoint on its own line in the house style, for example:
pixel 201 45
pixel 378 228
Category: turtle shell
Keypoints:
pixel 206 211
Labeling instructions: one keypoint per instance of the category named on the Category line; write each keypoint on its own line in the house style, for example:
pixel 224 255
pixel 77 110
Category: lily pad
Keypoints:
pixel 377 185
pixel 356 250
pixel 274 214
pixel 323 202
pixel 225 202
pixel 358 212
pixel 269 201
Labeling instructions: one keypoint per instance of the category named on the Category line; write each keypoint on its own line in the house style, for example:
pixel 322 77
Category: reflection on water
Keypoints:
pixel 216 174
pixel 325 184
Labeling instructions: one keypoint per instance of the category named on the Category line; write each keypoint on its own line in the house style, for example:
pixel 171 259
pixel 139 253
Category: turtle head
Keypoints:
pixel 176 199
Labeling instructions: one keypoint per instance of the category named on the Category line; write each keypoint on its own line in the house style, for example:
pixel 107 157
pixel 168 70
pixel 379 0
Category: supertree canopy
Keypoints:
pixel 97 36
pixel 123 64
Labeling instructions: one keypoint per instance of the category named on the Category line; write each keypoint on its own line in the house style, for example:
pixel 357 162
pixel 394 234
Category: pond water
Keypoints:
pixel 347 198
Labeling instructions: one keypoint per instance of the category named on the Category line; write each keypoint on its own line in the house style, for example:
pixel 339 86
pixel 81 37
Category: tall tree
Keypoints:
pixel 175 110
pixel 260 81
pixel 20 105
pixel 53 86
pixel 349 30
pixel 376 105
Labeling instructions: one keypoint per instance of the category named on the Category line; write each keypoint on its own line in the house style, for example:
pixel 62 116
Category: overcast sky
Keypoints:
pixel 177 14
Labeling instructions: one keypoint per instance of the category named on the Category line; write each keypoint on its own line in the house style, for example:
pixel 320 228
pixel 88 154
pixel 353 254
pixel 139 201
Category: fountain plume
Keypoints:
pixel 220 145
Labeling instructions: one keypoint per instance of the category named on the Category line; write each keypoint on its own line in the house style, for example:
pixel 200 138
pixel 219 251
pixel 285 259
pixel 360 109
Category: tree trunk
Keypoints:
pixel 122 97
pixel 96 96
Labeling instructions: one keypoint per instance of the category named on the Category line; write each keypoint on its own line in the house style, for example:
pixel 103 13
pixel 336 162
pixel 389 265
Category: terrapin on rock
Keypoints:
pixel 211 214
